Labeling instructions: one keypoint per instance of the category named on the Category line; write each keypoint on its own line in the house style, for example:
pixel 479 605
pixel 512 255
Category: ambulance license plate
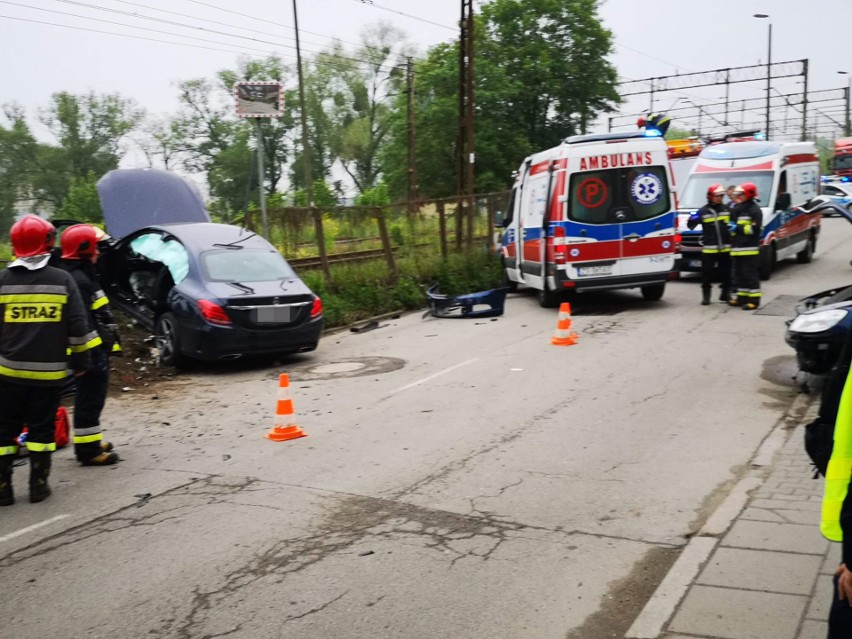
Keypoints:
pixel 605 269
pixel 272 315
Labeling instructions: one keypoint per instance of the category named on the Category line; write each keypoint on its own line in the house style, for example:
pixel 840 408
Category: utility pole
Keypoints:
pixel 412 136
pixel 260 172
pixel 466 116
pixel 805 103
pixel 306 147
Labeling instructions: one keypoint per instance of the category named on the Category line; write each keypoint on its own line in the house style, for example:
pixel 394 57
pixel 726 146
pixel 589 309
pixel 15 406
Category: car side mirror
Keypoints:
pixel 782 202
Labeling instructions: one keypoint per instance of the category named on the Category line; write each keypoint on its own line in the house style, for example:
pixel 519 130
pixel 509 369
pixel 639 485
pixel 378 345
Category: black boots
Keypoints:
pixel 7 496
pixel 39 472
pixel 724 294
pixel 705 295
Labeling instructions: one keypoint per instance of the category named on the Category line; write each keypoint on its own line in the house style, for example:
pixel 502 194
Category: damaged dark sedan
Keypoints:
pixel 207 291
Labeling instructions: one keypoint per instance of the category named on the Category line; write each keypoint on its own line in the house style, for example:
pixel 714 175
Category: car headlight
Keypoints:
pixel 817 322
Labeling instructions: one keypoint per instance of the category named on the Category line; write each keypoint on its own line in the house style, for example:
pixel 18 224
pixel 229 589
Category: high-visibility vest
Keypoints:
pixel 839 473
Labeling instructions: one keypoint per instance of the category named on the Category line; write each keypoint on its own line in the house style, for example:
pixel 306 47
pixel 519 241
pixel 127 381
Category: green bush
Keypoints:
pixel 360 291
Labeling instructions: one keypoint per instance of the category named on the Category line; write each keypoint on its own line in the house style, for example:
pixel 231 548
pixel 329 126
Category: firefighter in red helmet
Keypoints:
pixel 42 320
pixel 716 237
pixel 79 253
pixel 746 222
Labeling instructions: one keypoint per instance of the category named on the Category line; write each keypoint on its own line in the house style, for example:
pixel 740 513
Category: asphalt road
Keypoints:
pixel 460 478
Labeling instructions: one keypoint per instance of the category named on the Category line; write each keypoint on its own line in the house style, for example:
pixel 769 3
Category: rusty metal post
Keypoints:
pixel 386 244
pixel 442 227
pixel 320 233
pixel 489 203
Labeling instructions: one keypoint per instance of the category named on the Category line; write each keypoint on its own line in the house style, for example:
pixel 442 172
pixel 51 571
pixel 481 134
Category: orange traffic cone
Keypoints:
pixel 283 429
pixel 564 335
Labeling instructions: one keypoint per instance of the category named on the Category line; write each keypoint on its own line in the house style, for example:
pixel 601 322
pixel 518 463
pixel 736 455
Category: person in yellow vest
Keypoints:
pixel 836 523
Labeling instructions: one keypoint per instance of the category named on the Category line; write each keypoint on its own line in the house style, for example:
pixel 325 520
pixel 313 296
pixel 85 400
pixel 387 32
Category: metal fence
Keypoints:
pixel 316 237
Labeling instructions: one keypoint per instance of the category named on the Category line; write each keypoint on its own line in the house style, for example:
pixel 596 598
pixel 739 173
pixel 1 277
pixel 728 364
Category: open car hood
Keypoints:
pixel 132 199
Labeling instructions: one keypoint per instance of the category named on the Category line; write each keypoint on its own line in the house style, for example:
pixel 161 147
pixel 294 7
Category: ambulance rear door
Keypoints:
pixel 620 222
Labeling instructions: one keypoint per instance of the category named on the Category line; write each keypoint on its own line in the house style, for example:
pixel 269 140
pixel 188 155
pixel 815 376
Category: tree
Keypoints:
pixel 207 136
pixel 541 75
pixel 349 100
pixel 90 130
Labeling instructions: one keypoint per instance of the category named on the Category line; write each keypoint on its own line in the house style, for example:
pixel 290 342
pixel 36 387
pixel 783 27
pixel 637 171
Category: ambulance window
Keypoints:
pixel 592 195
pixel 595 195
pixel 647 191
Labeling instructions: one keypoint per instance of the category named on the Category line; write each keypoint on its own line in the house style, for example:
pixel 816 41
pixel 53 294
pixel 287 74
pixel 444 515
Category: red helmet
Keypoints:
pixel 749 190
pixel 715 189
pixel 640 122
pixel 32 235
pixel 79 242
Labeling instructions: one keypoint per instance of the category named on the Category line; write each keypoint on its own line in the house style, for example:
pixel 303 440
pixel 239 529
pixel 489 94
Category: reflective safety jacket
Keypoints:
pixel 43 326
pixel 837 501
pixel 748 219
pixel 96 303
pixel 714 219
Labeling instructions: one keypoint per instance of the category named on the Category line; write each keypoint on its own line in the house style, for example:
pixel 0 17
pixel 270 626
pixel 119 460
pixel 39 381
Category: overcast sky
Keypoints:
pixel 652 38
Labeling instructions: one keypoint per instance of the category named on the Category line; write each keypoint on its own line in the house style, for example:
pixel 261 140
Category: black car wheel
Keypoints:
pixel 168 340
pixel 768 258
pixel 653 292
pixel 806 255
pixel 548 298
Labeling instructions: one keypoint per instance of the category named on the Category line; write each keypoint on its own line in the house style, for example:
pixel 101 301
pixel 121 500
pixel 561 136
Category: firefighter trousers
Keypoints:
pixel 746 279
pixel 88 404
pixel 31 406
pixel 716 266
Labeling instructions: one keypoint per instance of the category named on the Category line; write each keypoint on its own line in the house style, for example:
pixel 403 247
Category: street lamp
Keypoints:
pixel 768 70
pixel 847 127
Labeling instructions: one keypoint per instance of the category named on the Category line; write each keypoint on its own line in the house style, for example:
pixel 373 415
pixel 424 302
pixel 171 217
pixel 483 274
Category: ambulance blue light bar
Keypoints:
pixel 653 133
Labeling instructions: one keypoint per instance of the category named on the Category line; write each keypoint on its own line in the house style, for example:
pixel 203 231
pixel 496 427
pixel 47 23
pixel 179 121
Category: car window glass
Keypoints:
pixel 165 250
pixel 245 265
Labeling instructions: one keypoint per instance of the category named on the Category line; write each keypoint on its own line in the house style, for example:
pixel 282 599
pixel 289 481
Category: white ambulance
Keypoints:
pixel 593 213
pixel 786 175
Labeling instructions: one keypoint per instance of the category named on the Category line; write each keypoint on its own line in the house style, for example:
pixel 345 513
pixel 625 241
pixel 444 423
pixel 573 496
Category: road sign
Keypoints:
pixel 259 99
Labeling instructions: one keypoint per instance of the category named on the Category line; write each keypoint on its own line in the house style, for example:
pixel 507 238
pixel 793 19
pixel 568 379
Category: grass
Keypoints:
pixel 359 291
pixel 362 290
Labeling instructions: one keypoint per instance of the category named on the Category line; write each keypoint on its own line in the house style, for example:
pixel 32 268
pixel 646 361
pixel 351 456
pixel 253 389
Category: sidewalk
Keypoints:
pixel 761 570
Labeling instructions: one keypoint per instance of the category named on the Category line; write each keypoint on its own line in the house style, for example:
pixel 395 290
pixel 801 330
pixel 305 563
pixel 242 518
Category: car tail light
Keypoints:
pixel 213 313
pixel 678 239
pixel 316 309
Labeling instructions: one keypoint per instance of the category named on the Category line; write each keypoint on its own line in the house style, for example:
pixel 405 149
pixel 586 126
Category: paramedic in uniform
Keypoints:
pixel 42 325
pixel 746 221
pixel 79 252
pixel 716 253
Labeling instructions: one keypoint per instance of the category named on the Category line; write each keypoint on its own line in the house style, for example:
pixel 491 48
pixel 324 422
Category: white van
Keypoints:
pixel 593 213
pixel 786 175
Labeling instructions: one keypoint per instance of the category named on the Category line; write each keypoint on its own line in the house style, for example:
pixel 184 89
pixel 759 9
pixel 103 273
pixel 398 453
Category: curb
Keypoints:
pixel 662 605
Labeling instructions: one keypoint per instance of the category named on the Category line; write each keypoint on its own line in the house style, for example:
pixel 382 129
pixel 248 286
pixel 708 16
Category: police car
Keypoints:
pixel 839 190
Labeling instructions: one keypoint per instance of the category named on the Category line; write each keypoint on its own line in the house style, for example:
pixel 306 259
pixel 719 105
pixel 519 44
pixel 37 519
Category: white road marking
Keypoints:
pixel 29 529
pixel 438 374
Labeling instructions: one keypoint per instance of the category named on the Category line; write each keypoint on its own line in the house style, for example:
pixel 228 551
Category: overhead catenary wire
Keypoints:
pixel 372 3
pixel 124 35
pixel 171 23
